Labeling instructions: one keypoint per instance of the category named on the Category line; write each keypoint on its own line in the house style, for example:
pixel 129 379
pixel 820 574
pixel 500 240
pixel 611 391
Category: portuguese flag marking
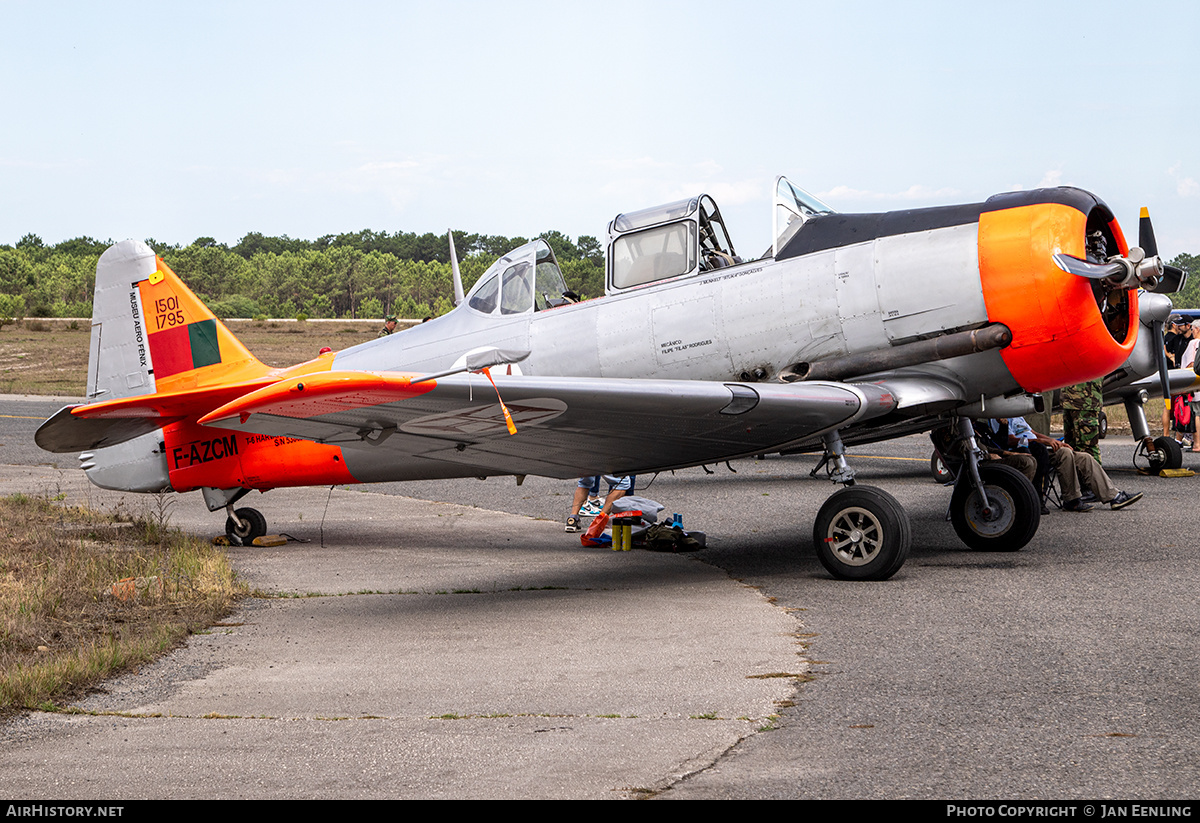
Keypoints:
pixel 184 348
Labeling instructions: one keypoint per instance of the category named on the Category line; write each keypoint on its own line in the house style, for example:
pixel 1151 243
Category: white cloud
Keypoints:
pixel 1184 186
pixel 388 165
pixel 1050 179
pixel 647 181
pixel 731 193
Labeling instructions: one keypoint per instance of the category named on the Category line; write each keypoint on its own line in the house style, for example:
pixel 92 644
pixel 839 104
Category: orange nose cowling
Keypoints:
pixel 1059 336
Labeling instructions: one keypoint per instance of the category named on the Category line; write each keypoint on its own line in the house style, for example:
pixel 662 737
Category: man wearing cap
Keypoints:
pixel 1176 340
pixel 389 326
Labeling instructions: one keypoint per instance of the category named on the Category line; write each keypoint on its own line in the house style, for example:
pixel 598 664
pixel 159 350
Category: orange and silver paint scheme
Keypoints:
pixel 851 328
pixel 843 285
pixel 869 292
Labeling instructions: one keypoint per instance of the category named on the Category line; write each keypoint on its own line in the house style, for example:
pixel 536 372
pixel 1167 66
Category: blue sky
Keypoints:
pixel 178 120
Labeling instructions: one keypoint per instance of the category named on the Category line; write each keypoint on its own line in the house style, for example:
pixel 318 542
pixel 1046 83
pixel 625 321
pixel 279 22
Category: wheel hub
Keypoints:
pixel 992 516
pixel 856 536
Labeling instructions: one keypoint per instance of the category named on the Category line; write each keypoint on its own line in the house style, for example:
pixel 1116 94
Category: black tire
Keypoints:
pixel 1018 510
pixel 862 533
pixel 937 467
pixel 242 534
pixel 1103 419
pixel 1166 454
pixel 1173 452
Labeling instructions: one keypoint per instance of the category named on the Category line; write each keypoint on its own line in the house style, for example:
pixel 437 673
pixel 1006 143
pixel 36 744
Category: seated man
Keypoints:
pixel 1072 466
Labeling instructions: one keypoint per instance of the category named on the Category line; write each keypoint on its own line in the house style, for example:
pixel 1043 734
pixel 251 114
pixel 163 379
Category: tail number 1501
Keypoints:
pixel 167 313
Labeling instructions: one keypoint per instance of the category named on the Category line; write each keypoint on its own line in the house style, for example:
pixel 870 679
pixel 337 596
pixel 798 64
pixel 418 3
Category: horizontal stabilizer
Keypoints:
pixel 65 432
pixel 77 428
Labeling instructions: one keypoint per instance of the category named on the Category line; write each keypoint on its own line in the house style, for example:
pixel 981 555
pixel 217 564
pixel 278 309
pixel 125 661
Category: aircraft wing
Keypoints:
pixel 565 427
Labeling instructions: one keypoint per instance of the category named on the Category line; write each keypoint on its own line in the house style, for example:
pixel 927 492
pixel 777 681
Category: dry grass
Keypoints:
pixel 64 625
pixel 50 357
pixel 44 357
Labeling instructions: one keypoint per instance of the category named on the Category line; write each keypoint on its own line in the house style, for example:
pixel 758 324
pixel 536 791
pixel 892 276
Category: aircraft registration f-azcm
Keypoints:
pixel 851 328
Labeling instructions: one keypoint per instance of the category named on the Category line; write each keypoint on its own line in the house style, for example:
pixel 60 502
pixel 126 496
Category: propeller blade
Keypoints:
pixel 1173 280
pixel 1132 271
pixel 1082 268
pixel 1146 233
pixel 458 288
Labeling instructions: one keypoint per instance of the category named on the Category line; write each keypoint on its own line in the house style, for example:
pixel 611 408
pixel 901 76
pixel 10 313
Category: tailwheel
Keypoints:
pixel 1010 518
pixel 938 468
pixel 244 526
pixel 862 533
pixel 1162 453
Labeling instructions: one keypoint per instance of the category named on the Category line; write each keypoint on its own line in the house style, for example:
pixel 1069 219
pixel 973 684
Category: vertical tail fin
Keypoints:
pixel 151 334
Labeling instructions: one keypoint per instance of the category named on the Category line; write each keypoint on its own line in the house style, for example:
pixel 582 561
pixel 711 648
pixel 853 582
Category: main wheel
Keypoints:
pixel 937 467
pixel 1015 514
pixel 1166 454
pixel 246 525
pixel 862 533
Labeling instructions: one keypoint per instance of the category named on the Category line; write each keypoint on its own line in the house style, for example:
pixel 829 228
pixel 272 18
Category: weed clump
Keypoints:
pixel 84 595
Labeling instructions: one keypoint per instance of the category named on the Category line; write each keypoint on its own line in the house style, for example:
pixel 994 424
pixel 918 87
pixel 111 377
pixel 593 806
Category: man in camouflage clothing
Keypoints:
pixel 1081 406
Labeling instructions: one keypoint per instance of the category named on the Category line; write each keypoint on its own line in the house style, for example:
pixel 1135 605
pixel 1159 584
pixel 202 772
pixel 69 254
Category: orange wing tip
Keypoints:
pixel 311 395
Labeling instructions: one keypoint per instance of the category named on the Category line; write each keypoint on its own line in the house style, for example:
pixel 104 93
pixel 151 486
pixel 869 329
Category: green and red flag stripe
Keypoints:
pixel 184 348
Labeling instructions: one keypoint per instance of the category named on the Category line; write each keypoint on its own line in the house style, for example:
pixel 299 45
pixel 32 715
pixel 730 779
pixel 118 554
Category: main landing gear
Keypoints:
pixel 861 532
pixel 1153 455
pixel 1003 517
pixel 994 507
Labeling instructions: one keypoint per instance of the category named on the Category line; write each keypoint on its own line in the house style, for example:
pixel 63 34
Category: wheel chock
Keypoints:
pixel 268 540
pixel 1167 473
